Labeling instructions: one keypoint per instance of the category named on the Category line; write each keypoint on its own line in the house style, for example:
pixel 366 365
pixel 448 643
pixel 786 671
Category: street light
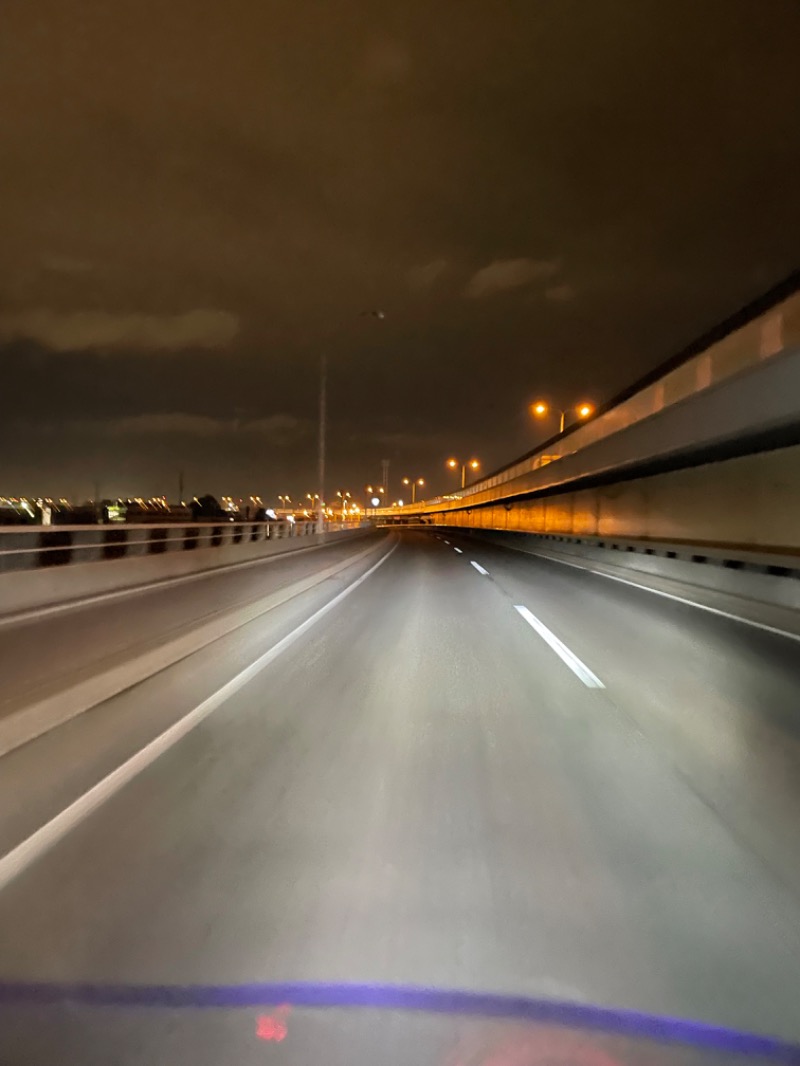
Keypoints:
pixel 344 497
pixel 374 497
pixel 323 419
pixel 313 498
pixel 454 464
pixel 540 409
pixel 413 482
pixel 284 500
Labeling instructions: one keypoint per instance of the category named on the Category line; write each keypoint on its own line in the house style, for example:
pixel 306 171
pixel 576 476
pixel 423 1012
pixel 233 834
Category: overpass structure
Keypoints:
pixel 702 451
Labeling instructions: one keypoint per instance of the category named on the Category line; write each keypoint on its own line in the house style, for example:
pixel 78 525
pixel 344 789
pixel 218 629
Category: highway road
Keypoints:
pixel 477 769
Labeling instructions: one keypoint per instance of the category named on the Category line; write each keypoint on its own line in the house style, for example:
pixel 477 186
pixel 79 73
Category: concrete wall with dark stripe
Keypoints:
pixel 751 502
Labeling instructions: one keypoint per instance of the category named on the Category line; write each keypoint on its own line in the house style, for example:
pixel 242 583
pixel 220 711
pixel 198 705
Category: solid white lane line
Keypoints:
pixel 24 854
pixel 668 595
pixel 479 568
pixel 578 668
pixel 50 711
pixel 459 551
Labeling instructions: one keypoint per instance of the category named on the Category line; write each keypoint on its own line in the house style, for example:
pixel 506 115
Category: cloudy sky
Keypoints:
pixel 197 199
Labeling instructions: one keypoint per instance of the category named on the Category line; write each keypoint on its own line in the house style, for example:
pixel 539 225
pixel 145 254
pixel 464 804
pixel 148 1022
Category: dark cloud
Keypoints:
pixel 73 331
pixel 427 275
pixel 505 274
pixel 236 183
pixel 64 264
pixel 386 62
pixel 161 424
pixel 560 293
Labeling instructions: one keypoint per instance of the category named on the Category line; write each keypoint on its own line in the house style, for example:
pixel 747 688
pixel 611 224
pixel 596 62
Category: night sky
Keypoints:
pixel 197 199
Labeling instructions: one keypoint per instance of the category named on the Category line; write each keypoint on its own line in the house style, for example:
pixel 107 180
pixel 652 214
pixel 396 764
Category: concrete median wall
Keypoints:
pixel 752 503
pixel 22 590
pixel 739 575
pixel 97 679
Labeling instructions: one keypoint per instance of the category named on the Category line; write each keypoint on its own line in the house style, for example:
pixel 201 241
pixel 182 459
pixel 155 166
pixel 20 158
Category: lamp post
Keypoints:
pixel 323 420
pixel 374 498
pixel 413 482
pixel 454 464
pixel 541 409
pixel 344 497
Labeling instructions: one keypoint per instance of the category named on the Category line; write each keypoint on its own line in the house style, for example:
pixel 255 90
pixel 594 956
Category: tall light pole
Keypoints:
pixel 323 417
pixel 413 482
pixel 540 409
pixel 454 464
pixel 323 413
pixel 344 497
pixel 374 496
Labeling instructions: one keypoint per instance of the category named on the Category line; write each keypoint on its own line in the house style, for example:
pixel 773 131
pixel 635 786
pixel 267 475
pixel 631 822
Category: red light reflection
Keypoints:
pixel 541 1046
pixel 273 1026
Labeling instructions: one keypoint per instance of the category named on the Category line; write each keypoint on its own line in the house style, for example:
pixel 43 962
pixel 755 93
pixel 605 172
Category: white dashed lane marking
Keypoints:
pixel 578 668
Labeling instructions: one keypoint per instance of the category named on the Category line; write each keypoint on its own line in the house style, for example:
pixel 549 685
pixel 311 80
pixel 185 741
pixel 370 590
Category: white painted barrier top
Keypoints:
pixel 766 337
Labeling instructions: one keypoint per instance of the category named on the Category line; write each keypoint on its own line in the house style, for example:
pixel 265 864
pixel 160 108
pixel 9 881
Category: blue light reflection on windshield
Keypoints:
pixel 611 1020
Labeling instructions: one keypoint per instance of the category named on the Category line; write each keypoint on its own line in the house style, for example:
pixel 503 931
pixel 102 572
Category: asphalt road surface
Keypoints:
pixel 477 769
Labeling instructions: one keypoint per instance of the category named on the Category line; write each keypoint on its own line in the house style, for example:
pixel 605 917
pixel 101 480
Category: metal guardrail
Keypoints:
pixel 36 547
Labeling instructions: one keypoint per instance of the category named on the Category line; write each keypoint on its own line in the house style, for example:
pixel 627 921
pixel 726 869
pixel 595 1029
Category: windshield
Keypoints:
pixel 352 1023
pixel 399 531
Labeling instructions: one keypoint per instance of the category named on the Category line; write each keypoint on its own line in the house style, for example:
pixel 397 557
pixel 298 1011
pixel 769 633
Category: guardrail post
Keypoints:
pixel 191 536
pixel 57 547
pixel 158 541
pixel 115 543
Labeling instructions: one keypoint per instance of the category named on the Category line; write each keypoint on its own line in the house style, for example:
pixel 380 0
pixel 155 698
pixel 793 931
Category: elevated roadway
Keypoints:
pixel 450 764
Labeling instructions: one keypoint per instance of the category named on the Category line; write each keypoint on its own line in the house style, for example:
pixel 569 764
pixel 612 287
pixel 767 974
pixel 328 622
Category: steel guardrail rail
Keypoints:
pixel 37 547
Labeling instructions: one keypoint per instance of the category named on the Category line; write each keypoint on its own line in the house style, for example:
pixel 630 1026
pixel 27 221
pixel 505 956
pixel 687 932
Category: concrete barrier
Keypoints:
pixel 39 547
pixel 750 503
pixel 758 577
pixel 48 712
pixel 202 550
pixel 733 393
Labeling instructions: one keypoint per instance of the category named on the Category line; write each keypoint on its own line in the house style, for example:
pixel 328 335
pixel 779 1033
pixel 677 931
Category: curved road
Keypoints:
pixel 479 769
